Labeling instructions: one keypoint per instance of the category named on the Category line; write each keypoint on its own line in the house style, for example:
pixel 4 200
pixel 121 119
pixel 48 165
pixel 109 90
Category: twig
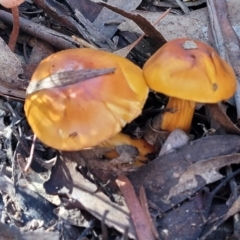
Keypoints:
pixel 22 141
pixel 103 226
pixel 125 234
pixel 8 131
pixel 137 214
pixel 57 39
pixel 213 193
pixel 223 183
pixel 233 210
pixel 145 208
pixel 143 23
pixel 15 30
pixel 233 198
pixel 183 6
pixel 82 42
pixel 233 185
pixel 93 33
pixel 29 160
pixel 85 232
pixel 124 51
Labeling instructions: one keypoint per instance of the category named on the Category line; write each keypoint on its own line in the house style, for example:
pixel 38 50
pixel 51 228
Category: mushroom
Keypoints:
pixel 13 4
pixel 188 71
pixel 143 147
pixel 84 114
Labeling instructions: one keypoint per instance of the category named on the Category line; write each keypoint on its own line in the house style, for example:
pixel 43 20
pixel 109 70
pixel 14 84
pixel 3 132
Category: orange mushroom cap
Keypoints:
pixel 11 3
pixel 87 113
pixel 190 70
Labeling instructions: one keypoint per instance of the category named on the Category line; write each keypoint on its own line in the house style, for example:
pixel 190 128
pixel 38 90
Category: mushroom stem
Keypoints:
pixel 180 117
pixel 15 30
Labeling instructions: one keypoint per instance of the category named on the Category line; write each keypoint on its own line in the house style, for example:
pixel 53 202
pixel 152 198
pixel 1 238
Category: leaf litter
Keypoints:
pixel 186 185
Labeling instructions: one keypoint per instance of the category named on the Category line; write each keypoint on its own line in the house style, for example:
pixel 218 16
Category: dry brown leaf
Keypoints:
pixel 234 209
pixel 10 75
pixel 176 139
pixel 34 181
pixel 126 50
pixel 221 118
pixel 65 179
pixel 41 235
pixel 225 38
pixel 40 50
pixel 10 83
pixel 106 15
pixel 205 169
pixel 14 233
pixel 164 173
pixel 143 23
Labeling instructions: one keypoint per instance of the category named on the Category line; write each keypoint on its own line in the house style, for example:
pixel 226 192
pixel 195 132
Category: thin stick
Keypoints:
pixel 29 160
pixel 124 51
pixel 15 31
pixel 139 218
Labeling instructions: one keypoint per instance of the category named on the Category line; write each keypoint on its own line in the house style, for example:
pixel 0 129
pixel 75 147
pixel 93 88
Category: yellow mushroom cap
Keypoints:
pixel 87 113
pixel 190 70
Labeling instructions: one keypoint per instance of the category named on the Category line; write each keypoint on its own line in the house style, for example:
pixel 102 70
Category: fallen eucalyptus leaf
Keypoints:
pixel 143 23
pixel 221 118
pixel 207 170
pixel 176 139
pixel 66 78
pixel 66 179
pixel 161 176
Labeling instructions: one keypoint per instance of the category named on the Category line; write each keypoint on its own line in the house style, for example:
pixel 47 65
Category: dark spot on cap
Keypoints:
pixel 215 87
pixel 72 135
